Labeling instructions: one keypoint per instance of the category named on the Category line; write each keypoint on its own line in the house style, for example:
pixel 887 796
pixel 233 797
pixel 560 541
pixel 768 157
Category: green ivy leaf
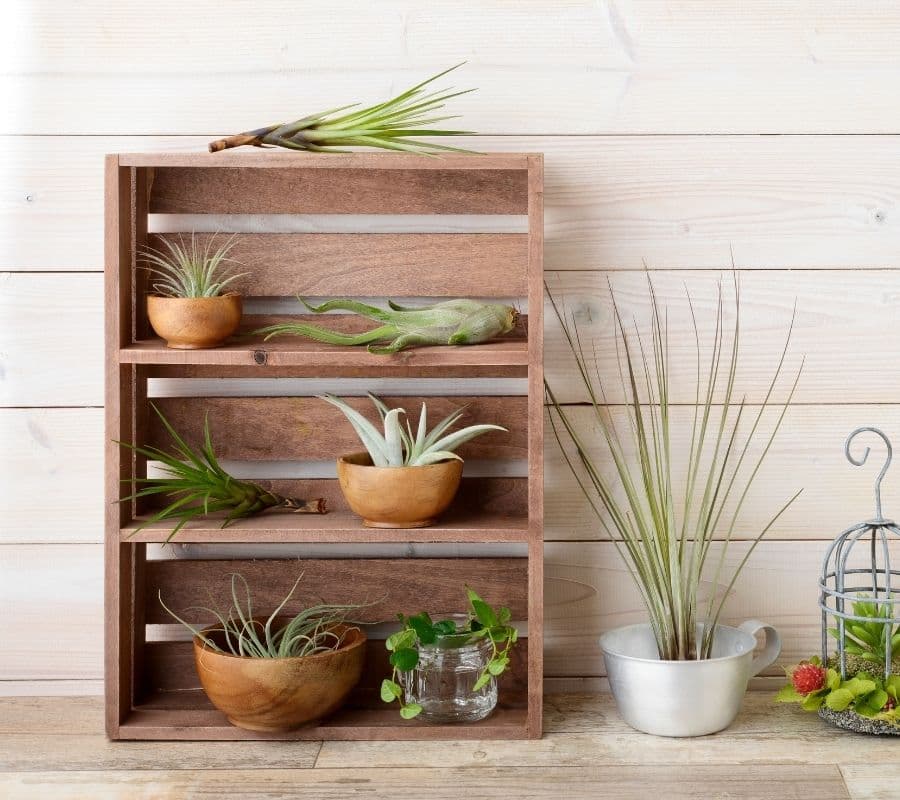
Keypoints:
pixel 405 659
pixel 445 627
pixel 482 681
pixel 423 627
pixel 498 665
pixel 839 699
pixel 410 711
pixel 812 701
pixel 788 694
pixel 504 615
pixel 390 691
pixel 400 639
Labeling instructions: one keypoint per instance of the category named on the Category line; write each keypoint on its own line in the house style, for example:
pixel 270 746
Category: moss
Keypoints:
pixel 855 665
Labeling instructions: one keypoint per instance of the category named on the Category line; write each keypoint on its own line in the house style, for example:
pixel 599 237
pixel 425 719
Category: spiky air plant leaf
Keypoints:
pixel 664 539
pixel 451 322
pixel 391 125
pixel 191 269
pixel 398 447
pixel 311 630
pixel 197 486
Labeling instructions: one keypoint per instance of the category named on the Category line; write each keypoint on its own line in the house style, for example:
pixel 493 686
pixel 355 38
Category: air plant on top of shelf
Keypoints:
pixel 388 126
pixel 451 322
pixel 198 486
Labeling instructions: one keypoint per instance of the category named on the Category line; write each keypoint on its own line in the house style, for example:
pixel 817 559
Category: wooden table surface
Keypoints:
pixel 55 749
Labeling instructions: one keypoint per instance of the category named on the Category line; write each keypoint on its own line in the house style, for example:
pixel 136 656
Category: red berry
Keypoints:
pixel 808 678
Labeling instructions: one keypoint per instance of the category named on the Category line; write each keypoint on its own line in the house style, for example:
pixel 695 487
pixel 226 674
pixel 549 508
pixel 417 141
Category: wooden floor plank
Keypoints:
pixel 867 782
pixel 621 783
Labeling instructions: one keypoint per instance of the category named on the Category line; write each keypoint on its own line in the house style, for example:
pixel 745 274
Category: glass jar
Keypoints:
pixel 442 682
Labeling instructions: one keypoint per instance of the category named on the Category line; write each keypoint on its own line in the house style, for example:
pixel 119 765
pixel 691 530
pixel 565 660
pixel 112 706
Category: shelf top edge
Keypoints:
pixel 254 157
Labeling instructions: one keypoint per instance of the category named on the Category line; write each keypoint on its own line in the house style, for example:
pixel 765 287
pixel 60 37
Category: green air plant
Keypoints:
pixel 868 641
pixel 451 322
pixel 484 622
pixel 390 125
pixel 191 269
pixel 399 446
pixel 198 486
pixel 311 630
pixel 666 541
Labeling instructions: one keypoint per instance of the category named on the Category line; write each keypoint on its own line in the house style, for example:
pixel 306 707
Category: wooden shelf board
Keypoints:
pixel 335 527
pixel 300 353
pixel 251 157
pixel 187 715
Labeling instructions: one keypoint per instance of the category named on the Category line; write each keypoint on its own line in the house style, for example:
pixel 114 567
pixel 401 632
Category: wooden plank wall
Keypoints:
pixel 676 134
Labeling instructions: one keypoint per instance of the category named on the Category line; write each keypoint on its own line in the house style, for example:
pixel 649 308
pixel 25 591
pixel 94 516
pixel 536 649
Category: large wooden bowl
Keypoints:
pixel 194 323
pixel 279 694
pixel 398 497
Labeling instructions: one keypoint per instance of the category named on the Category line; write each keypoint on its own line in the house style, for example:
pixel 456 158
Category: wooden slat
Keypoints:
pixel 784 782
pixel 679 202
pixel 324 190
pixel 389 264
pixel 306 428
pixel 552 67
pixel 438 583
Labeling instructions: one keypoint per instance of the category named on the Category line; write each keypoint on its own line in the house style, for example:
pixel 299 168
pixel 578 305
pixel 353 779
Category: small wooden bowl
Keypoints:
pixel 280 694
pixel 194 323
pixel 398 497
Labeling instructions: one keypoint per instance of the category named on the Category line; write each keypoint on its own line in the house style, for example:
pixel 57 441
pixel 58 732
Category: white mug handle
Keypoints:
pixel 771 649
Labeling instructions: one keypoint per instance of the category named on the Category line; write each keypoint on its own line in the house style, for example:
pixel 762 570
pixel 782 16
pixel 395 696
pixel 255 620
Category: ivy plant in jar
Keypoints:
pixel 447 670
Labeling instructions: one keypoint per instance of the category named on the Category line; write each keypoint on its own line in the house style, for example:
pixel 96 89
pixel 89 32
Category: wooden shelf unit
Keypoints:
pixel 151 688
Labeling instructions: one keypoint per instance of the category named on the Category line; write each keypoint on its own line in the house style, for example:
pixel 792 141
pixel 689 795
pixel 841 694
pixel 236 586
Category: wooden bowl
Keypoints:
pixel 280 694
pixel 194 323
pixel 398 497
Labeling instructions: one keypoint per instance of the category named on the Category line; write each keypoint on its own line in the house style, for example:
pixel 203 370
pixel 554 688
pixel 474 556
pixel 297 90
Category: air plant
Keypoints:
pixel 198 486
pixel 665 540
pixel 190 270
pixel 388 125
pixel 314 629
pixel 451 322
pixel 401 448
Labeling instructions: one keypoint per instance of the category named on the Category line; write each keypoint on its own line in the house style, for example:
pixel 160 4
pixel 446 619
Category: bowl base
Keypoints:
pixel 258 728
pixel 424 523
pixel 193 346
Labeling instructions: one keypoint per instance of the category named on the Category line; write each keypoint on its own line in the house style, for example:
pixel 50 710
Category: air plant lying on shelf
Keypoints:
pixel 451 322
pixel 388 125
pixel 198 486
pixel 402 448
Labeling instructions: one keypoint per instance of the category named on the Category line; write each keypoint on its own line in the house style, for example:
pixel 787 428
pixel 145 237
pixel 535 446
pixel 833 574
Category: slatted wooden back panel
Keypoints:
pixel 255 198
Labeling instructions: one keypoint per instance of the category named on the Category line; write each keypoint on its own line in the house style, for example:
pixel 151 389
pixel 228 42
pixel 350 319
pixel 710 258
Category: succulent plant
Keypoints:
pixel 388 125
pixel 868 640
pixel 398 446
pixel 190 270
pixel 451 322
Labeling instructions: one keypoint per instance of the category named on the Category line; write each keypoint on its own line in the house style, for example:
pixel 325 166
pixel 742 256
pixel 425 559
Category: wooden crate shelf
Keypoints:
pixel 152 691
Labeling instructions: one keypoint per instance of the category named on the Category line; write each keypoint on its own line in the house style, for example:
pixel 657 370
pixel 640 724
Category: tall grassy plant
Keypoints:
pixel 664 539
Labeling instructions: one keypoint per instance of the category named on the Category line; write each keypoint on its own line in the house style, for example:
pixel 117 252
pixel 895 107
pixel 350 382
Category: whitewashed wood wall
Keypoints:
pixel 675 133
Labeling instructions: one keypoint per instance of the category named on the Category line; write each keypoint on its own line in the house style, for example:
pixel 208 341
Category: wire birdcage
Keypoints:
pixel 872 584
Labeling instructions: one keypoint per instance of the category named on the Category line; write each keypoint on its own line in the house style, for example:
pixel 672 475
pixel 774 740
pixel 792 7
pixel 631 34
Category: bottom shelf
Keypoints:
pixel 188 715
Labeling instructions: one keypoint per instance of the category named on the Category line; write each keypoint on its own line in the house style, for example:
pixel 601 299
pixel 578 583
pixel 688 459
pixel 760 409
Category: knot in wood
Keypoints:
pixel 260 357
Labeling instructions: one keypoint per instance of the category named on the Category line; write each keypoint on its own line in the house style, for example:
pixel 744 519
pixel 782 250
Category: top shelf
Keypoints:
pixel 502 353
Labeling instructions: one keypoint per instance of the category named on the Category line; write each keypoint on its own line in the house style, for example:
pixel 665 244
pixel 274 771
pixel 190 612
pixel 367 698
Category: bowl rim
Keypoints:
pixel 363 455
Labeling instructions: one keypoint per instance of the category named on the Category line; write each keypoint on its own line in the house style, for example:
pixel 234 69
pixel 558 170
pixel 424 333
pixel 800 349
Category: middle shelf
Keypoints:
pixel 334 527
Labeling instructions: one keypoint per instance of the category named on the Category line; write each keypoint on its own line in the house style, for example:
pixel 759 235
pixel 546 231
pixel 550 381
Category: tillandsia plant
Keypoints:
pixel 483 623
pixel 665 540
pixel 198 486
pixel 813 685
pixel 314 629
pixel 191 269
pixel 399 447
pixel 451 322
pixel 866 643
pixel 388 125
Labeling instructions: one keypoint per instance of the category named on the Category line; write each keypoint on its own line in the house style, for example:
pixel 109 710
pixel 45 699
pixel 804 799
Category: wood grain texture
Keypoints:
pixel 320 189
pixel 185 584
pixel 355 265
pixel 617 202
pixel 626 68
pixel 590 783
pixel 294 428
pixel 865 783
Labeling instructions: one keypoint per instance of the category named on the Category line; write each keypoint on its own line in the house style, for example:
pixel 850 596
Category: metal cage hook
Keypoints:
pixel 865 455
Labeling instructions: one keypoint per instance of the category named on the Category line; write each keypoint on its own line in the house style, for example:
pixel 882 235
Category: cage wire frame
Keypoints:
pixel 833 583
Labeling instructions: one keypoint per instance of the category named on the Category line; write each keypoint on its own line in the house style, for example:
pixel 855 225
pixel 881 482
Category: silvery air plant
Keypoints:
pixel 398 446
pixel 451 322
pixel 672 510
